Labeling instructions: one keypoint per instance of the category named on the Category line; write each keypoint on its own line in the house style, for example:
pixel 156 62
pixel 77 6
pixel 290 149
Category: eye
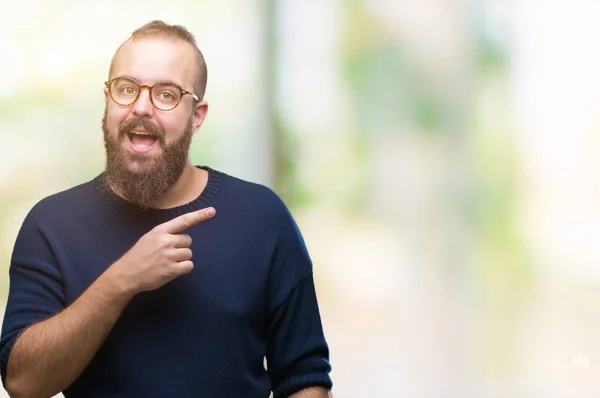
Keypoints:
pixel 167 95
pixel 128 90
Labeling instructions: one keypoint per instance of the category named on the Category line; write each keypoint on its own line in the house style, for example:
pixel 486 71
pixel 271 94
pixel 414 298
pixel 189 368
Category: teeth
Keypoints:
pixel 140 133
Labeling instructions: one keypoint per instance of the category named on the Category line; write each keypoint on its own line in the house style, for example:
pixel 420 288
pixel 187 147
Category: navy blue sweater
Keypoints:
pixel 250 296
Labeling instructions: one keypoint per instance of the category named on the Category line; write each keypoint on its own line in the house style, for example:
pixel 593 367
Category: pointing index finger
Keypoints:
pixel 186 220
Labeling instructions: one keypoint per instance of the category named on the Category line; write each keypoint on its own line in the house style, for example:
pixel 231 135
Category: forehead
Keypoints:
pixel 153 59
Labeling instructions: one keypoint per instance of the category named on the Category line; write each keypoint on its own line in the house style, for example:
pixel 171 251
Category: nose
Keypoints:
pixel 143 106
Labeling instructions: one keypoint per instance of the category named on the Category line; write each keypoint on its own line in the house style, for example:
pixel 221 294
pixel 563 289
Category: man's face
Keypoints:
pixel 147 149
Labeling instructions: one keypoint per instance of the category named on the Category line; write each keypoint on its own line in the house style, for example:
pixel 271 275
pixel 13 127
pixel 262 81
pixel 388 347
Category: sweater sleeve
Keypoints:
pixel 36 290
pixel 297 352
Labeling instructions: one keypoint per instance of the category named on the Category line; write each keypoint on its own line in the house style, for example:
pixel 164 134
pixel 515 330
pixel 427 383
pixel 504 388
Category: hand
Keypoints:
pixel 159 256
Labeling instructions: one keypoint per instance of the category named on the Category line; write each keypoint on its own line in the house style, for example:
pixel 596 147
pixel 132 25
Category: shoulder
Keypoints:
pixel 51 217
pixel 61 204
pixel 253 195
pixel 258 205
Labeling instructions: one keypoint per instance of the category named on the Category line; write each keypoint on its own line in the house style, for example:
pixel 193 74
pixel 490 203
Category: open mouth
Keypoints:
pixel 141 140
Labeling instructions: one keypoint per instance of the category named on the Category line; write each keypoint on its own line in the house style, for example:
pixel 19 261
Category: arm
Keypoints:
pixel 49 355
pixel 312 392
pixel 297 353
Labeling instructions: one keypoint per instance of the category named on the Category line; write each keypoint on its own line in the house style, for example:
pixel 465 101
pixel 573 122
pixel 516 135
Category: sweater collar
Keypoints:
pixel 205 199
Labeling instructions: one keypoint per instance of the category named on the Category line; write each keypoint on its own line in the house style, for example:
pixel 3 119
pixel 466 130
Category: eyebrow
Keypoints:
pixel 158 82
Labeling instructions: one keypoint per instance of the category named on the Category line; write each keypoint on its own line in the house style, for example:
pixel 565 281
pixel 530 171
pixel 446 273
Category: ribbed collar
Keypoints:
pixel 205 199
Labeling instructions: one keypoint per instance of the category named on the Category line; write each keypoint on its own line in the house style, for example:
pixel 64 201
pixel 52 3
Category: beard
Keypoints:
pixel 142 179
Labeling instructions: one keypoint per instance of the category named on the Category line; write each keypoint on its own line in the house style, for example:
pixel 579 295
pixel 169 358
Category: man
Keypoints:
pixel 159 278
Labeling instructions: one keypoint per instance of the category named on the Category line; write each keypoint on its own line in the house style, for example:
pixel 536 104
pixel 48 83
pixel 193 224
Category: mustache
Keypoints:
pixel 145 124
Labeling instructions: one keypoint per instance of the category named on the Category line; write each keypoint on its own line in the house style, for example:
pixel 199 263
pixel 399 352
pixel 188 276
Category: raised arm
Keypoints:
pixel 50 354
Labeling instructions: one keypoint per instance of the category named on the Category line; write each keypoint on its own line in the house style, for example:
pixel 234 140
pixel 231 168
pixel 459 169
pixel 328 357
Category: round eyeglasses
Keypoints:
pixel 164 96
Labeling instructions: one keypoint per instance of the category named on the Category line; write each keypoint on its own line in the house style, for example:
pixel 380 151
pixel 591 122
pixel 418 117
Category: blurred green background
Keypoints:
pixel 440 157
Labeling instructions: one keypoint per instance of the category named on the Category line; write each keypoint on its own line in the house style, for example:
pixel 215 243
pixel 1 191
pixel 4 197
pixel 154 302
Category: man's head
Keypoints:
pixel 147 132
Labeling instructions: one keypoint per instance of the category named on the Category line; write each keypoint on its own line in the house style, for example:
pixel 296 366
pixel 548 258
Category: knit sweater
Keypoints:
pixel 250 296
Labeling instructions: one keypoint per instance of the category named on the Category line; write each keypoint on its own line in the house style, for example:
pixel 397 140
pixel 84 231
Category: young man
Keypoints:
pixel 159 278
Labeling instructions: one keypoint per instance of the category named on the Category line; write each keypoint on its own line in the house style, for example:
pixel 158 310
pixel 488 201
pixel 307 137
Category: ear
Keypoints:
pixel 200 111
pixel 106 96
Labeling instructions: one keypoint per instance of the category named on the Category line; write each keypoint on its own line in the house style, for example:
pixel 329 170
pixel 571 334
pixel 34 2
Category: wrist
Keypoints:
pixel 116 284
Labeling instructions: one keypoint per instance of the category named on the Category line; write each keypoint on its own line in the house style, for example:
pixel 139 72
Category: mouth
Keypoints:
pixel 141 141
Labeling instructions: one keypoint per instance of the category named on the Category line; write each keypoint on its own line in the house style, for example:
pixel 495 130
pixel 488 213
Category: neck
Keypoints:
pixel 188 187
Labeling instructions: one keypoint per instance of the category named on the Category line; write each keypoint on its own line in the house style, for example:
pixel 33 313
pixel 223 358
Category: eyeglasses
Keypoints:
pixel 164 96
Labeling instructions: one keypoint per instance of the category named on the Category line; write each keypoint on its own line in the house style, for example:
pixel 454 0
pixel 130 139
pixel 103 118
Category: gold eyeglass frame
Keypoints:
pixel 109 83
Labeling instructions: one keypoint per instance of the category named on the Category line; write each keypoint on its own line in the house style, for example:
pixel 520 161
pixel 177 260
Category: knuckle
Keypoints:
pixel 169 256
pixel 186 220
pixel 164 240
pixel 186 267
pixel 171 273
pixel 154 231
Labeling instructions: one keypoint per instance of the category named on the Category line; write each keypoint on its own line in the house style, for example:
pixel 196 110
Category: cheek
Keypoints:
pixel 173 126
pixel 114 117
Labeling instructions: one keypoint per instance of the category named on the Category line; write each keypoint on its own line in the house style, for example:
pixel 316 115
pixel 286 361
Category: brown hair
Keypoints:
pixel 159 28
